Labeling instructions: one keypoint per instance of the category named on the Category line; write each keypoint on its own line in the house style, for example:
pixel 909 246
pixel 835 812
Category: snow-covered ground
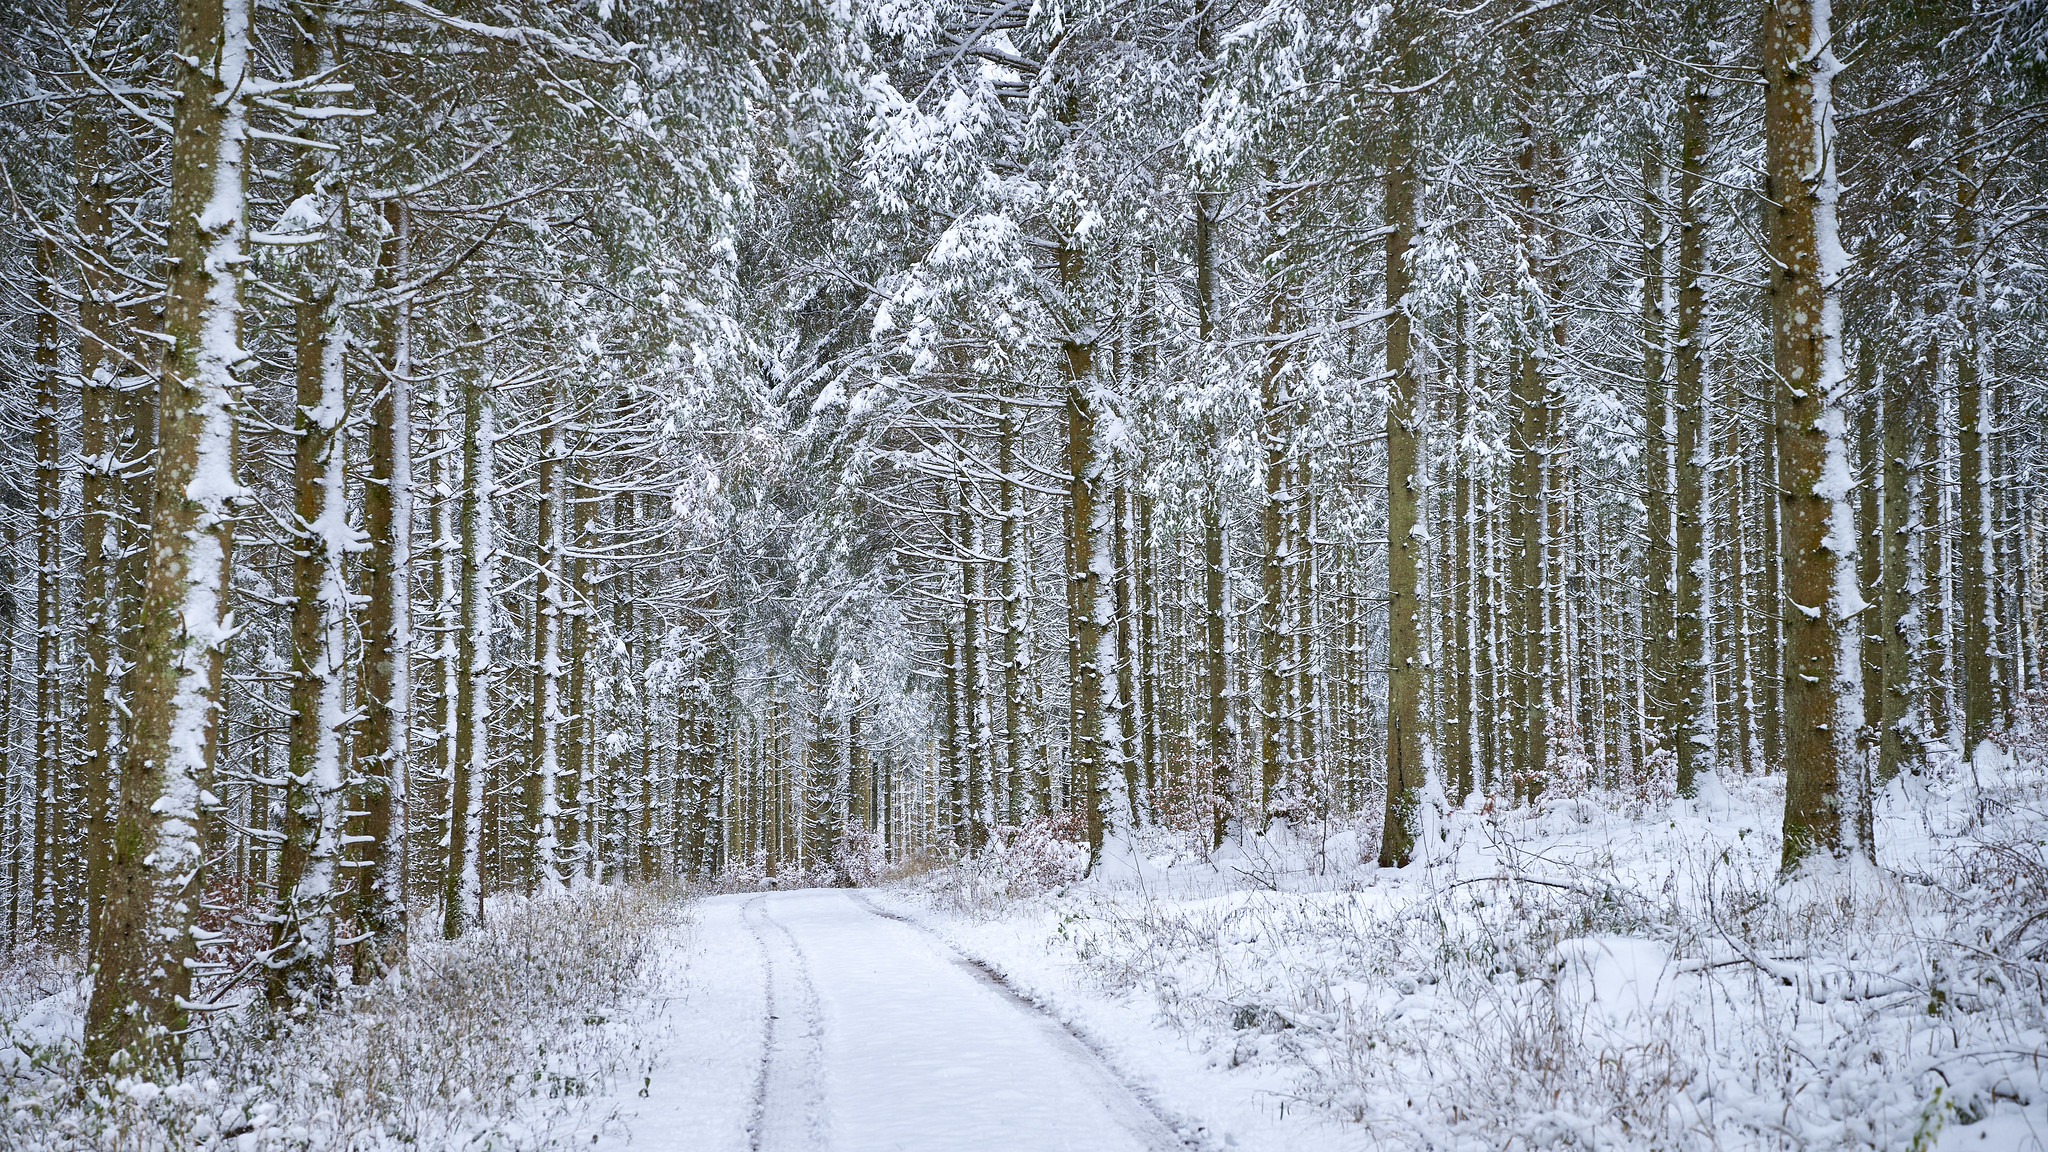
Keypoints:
pixel 1593 971
pixel 1597 970
pixel 518 1036
pixel 813 1020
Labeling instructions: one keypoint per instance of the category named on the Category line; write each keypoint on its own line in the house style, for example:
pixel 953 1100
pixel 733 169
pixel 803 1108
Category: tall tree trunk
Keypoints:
pixel 1736 614
pixel 1124 552
pixel 13 848
pixel 1528 449
pixel 1304 710
pixel 445 458
pixel 99 372
pixel 301 968
pixel 299 975
pixel 382 750
pixel 462 879
pixel 1870 550
pixel 646 644
pixel 1818 525
pixel 1895 624
pixel 1975 562
pixel 1017 763
pixel 548 612
pixel 52 768
pixel 1771 603
pixel 1933 652
pixel 1407 659
pixel 579 759
pixel 1488 725
pixel 1444 406
pixel 2034 652
pixel 1470 577
pixel 1216 721
pixel 1091 630
pixel 973 682
pixel 952 749
pixel 1460 641
pixel 1112 801
pixel 1153 694
pixel 138 1008
pixel 1084 626
pixel 1691 718
pixel 1275 437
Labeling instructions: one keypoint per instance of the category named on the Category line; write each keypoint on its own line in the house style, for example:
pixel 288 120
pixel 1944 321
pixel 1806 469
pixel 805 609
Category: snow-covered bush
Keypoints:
pixel 1598 971
pixel 1018 863
pixel 505 1039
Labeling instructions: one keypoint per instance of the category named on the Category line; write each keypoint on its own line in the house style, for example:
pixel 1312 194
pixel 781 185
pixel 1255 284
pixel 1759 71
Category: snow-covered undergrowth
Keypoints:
pixel 1596 970
pixel 510 1038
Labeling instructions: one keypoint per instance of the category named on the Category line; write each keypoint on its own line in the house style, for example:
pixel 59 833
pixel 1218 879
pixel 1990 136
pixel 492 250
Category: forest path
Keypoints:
pixel 867 1034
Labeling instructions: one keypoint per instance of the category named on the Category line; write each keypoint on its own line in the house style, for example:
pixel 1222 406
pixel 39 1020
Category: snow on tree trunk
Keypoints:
pixel 300 968
pixel 1896 743
pixel 1529 447
pixel 1823 704
pixel 1692 451
pixel 1111 798
pixel 101 480
pixel 138 1008
pixel 462 880
pixel 1276 440
pixel 382 751
pixel 1976 566
pixel 548 613
pixel 52 764
pixel 1936 666
pixel 1025 797
pixel 1869 553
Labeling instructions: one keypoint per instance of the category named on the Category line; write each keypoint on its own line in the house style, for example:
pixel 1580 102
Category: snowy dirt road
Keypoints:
pixel 814 1021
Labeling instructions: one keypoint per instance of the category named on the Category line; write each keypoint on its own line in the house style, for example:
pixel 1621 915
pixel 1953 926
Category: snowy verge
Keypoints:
pixel 1592 970
pixel 513 1037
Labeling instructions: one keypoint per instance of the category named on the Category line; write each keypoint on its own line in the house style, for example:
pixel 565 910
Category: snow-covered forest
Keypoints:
pixel 1506 503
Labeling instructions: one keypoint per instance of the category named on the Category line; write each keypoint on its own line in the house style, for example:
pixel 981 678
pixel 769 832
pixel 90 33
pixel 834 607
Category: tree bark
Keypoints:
pixel 299 973
pixel 1528 760
pixel 548 612
pixel 1976 568
pixel 52 765
pixel 462 878
pixel 100 485
pixel 1274 436
pixel 1407 659
pixel 1691 718
pixel 1895 623
pixel 1818 527
pixel 382 751
pixel 138 1007
pixel 1083 574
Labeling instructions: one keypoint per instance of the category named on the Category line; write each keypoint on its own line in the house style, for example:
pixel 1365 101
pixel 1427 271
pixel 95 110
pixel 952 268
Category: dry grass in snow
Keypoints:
pixel 510 1038
pixel 1594 971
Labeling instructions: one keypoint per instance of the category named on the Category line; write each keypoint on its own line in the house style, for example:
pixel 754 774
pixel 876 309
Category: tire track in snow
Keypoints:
pixel 789 1105
pixel 1143 1115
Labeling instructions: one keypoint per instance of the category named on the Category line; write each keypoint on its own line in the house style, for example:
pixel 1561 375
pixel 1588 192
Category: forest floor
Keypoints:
pixel 819 1019
pixel 1596 970
pixel 518 1036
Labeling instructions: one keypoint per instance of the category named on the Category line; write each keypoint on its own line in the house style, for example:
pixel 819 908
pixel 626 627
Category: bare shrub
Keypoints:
pixel 1018 863
pixel 507 1038
pixel 1853 1007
